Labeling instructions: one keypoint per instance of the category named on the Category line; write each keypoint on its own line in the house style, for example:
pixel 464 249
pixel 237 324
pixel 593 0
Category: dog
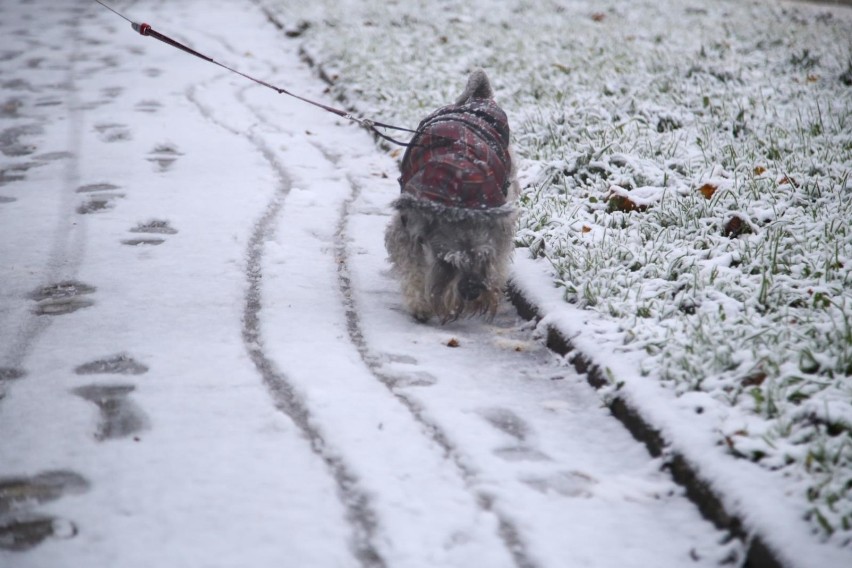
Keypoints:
pixel 450 239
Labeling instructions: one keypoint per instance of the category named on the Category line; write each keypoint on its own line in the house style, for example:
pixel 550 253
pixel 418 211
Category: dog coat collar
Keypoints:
pixel 459 157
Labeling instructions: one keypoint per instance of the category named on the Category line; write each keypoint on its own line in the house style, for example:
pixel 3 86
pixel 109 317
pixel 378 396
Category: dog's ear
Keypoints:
pixel 478 87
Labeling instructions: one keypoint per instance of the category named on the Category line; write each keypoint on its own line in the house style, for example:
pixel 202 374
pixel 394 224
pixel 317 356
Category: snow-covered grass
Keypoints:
pixel 686 172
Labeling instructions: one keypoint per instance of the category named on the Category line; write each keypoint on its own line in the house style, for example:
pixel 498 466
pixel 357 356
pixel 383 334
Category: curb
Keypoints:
pixel 698 490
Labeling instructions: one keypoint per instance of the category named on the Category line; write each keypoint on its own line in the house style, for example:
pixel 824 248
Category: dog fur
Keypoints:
pixel 453 261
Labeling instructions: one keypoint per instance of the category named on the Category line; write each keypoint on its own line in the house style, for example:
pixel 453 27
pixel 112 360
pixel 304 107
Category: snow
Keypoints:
pixel 726 124
pixel 255 393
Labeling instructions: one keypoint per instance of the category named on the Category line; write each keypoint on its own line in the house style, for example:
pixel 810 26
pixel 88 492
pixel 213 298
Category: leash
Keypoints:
pixel 372 125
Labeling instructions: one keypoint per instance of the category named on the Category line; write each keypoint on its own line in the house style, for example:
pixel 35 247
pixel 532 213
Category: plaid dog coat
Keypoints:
pixel 459 157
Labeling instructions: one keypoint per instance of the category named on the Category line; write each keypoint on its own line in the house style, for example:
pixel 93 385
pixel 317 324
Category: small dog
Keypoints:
pixel 450 240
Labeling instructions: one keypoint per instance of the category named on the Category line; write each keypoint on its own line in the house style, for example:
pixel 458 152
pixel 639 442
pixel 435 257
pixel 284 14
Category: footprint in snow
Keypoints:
pixel 13 173
pixel 98 203
pixel 61 298
pixel 9 374
pixel 119 416
pixel 17 172
pixel 20 527
pixel 565 483
pixel 18 84
pixel 155 226
pixel 507 422
pixel 113 132
pixel 21 492
pixel 413 379
pixel 112 92
pixel 405 359
pixel 521 453
pixel 9 108
pixel 120 364
pixel 95 187
pixel 148 106
pixel 10 140
pixel 164 155
pixel 141 242
pixel 48 102
pixel 53 156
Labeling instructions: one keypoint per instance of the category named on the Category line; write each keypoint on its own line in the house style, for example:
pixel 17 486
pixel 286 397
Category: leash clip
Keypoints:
pixel 142 28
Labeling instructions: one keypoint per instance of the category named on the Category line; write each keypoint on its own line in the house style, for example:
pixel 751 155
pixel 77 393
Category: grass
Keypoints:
pixel 686 172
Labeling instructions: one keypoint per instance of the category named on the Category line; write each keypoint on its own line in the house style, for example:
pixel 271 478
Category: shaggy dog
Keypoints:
pixel 450 240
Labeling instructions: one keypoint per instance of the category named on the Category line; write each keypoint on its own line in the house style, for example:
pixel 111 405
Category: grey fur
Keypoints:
pixel 452 261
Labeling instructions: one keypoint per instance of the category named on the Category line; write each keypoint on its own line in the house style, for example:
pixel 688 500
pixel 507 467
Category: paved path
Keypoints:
pixel 203 359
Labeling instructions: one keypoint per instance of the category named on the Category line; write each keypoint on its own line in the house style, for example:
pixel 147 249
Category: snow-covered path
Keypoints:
pixel 203 358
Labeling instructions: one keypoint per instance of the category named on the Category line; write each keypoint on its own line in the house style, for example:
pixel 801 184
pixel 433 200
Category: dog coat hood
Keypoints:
pixel 459 157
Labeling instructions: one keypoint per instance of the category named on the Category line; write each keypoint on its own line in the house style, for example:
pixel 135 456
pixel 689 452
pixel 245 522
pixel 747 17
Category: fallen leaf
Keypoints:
pixel 735 226
pixel 787 180
pixel 586 229
pixel 759 170
pixel 598 16
pixel 624 204
pixel 707 190
pixel 453 342
pixel 754 379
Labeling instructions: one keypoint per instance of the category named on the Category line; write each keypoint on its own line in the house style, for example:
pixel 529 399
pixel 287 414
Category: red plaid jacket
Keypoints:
pixel 459 157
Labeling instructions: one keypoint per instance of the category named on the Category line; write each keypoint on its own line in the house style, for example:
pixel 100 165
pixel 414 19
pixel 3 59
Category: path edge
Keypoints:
pixel 700 491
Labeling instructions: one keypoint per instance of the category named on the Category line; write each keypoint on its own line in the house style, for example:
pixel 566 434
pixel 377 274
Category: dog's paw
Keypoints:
pixel 421 316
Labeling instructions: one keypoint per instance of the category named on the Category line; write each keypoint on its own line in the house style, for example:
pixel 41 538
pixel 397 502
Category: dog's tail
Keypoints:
pixel 478 87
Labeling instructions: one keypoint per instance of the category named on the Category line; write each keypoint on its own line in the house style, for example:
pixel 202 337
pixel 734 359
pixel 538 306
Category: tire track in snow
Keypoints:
pixel 508 530
pixel 67 247
pixel 359 511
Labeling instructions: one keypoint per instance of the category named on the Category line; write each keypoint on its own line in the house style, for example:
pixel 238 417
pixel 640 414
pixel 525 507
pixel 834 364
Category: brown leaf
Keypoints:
pixel 453 342
pixel 598 16
pixel 754 379
pixel 735 226
pixel 624 204
pixel 759 170
pixel 707 190
pixel 586 229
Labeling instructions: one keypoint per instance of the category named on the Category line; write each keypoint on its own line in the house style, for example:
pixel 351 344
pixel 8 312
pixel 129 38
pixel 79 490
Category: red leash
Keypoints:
pixel 147 30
